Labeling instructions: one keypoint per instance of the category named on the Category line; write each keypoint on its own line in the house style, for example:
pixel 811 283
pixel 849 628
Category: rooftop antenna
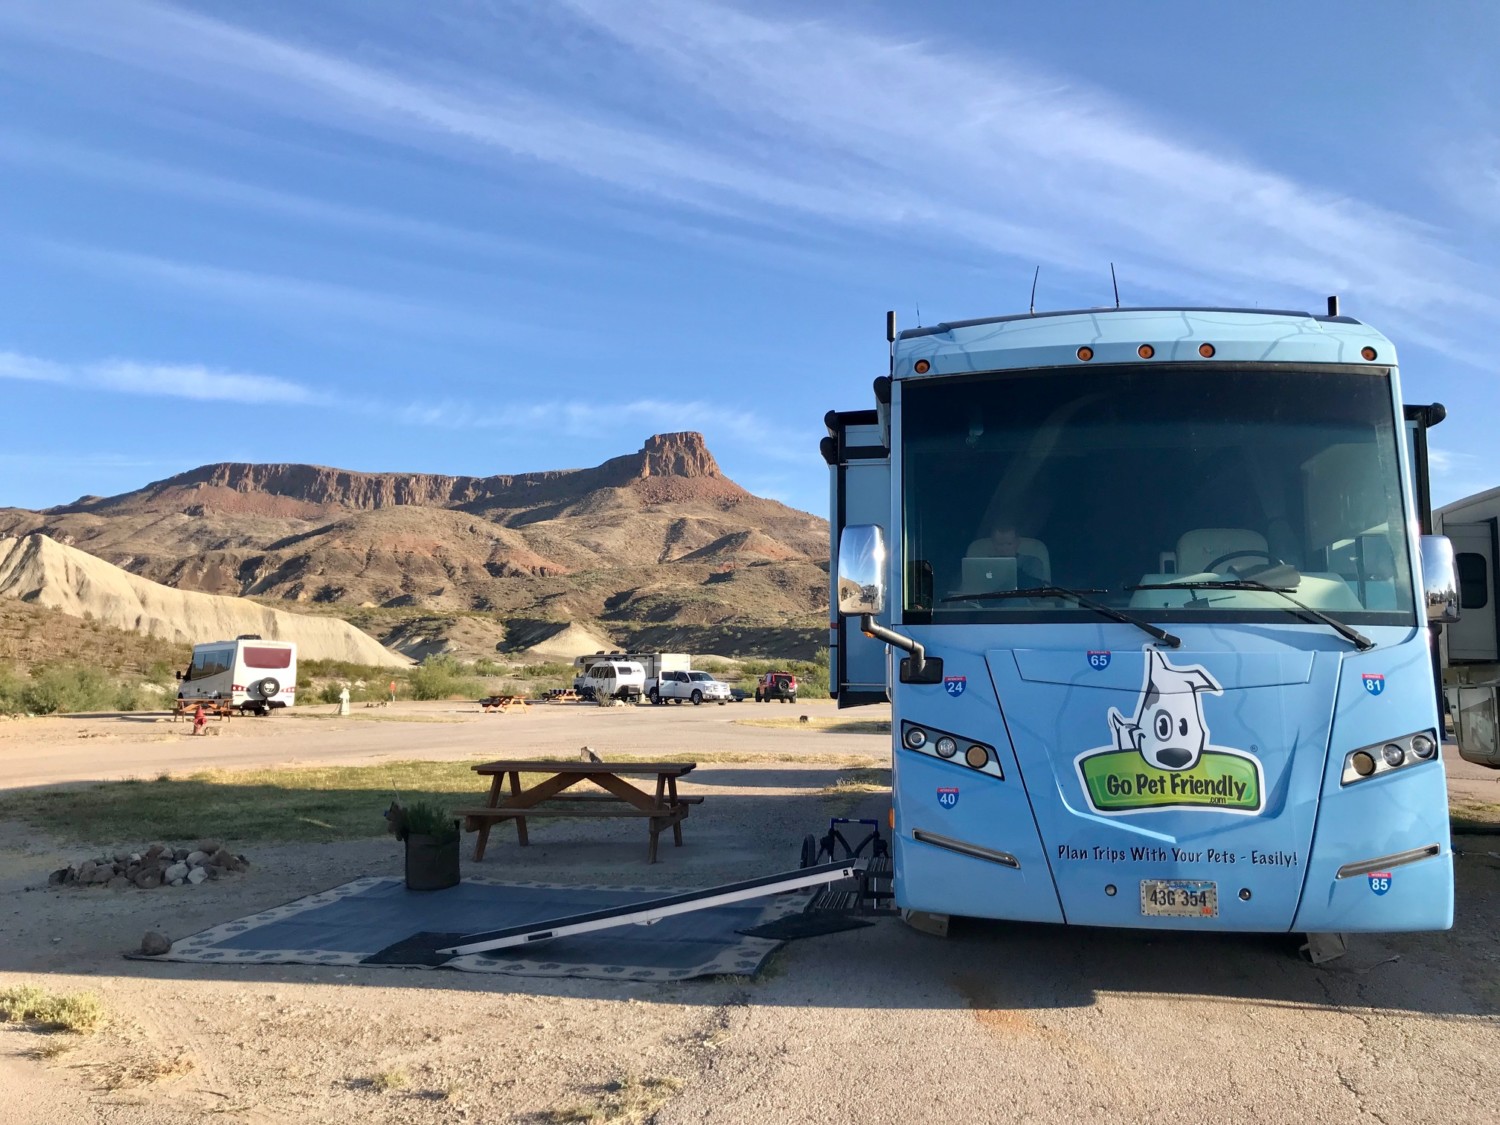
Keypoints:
pixel 1033 289
pixel 919 314
pixel 1115 282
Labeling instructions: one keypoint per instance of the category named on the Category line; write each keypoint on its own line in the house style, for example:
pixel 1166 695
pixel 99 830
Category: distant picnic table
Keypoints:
pixel 503 703
pixel 220 708
pixel 662 808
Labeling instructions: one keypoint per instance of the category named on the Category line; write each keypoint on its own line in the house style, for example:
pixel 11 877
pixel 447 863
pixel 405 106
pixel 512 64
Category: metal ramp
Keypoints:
pixel 653 910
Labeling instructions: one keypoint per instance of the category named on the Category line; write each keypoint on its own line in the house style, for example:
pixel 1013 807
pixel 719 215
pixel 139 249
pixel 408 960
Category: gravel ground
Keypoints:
pixel 998 1022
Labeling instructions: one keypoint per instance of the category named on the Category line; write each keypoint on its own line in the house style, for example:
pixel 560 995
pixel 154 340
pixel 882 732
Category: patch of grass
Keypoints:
pixel 50 1011
pixel 386 1080
pixel 319 804
pixel 851 790
pixel 736 758
pixel 858 782
pixel 1475 818
pixel 625 1101
pixel 54 1047
pixel 829 724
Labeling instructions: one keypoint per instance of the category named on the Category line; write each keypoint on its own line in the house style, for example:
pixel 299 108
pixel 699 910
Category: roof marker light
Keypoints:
pixel 1206 351
pixel 1145 351
pixel 1085 354
pixel 1367 351
pixel 921 367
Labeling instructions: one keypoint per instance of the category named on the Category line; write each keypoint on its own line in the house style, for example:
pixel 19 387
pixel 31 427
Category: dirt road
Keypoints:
pixel 104 748
pixel 998 1022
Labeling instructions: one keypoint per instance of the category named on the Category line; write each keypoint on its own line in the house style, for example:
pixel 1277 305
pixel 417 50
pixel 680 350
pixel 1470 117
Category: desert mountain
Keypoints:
pixel 658 543
pixel 43 572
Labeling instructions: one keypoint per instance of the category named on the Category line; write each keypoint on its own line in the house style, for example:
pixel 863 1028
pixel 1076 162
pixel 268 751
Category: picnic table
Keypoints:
pixel 503 703
pixel 662 808
pixel 221 708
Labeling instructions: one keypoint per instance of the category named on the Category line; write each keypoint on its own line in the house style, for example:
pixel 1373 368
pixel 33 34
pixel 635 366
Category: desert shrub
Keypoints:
pixel 50 1011
pixel 344 670
pixel 812 675
pixel 442 677
pixel 553 669
pixel 160 672
pixel 136 697
pixel 329 693
pixel 12 687
pixel 63 688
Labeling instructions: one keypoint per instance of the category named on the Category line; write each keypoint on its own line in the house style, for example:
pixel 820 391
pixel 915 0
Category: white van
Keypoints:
pixel 615 679
pixel 254 675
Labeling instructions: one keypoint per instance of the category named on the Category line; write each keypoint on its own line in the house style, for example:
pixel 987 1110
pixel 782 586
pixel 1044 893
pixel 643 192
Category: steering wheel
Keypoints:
pixel 1271 560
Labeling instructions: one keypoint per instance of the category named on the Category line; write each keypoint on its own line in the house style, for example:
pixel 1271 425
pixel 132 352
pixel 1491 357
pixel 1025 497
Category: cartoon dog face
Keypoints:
pixel 1168 728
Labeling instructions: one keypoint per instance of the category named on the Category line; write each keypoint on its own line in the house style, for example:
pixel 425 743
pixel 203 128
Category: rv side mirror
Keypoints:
pixel 178 675
pixel 1439 580
pixel 861 569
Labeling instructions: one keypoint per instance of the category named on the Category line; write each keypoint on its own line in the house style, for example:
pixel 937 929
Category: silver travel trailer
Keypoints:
pixel 1471 645
pixel 252 674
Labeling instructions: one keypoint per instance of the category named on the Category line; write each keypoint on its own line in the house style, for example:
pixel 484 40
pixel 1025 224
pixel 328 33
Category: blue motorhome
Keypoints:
pixel 1150 597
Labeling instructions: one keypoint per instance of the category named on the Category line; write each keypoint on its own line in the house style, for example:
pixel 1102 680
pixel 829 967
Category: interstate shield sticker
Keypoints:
pixel 955 685
pixel 1374 682
pixel 1162 758
pixel 947 796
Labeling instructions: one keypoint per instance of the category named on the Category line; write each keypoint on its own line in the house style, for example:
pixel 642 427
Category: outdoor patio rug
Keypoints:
pixel 377 921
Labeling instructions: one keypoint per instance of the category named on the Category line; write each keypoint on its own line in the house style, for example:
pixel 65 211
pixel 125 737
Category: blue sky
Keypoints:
pixel 498 236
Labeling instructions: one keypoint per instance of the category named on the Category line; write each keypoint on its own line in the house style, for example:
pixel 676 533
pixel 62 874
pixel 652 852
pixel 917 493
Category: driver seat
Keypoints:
pixel 1201 546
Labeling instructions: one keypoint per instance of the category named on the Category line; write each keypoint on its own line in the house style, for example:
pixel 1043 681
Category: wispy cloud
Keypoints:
pixel 797 121
pixel 574 419
pixel 549 419
pixel 189 381
pixel 14 366
pixel 226 192
pixel 281 294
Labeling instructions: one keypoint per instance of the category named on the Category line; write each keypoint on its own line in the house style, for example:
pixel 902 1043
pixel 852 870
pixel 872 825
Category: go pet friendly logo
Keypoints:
pixel 1161 757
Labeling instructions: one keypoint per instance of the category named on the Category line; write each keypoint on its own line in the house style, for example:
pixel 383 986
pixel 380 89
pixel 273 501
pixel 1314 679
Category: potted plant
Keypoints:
pixel 431 838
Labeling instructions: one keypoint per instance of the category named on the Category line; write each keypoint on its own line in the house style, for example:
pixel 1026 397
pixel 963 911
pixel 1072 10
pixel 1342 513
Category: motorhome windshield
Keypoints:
pixel 1205 480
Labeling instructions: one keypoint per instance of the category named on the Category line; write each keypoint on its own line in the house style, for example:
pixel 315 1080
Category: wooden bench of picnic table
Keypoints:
pixel 662 809
pixel 220 708
pixel 563 695
pixel 503 703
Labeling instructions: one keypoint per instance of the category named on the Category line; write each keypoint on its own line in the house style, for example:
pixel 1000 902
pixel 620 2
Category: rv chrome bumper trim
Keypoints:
pixel 1385 862
pixel 974 850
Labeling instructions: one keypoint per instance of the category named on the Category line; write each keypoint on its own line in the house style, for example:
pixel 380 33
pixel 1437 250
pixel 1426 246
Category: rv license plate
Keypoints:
pixel 1179 898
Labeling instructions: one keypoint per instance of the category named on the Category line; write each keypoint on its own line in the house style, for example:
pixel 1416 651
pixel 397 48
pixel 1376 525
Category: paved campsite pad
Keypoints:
pixel 377 921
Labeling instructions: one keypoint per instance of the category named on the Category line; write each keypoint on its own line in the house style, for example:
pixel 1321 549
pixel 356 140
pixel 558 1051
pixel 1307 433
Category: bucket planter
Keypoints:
pixel 431 837
pixel 432 862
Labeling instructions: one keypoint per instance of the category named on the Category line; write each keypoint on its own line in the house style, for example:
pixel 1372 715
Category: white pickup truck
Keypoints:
pixel 695 687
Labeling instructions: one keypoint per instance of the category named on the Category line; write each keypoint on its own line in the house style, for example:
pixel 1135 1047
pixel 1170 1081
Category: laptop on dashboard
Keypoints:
pixel 983 576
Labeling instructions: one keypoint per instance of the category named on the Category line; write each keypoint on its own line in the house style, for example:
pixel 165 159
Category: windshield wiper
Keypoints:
pixel 1079 596
pixel 1348 632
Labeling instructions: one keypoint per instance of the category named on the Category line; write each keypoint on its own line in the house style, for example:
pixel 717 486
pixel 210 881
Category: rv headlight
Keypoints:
pixel 946 746
pixel 1380 758
pixel 916 738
